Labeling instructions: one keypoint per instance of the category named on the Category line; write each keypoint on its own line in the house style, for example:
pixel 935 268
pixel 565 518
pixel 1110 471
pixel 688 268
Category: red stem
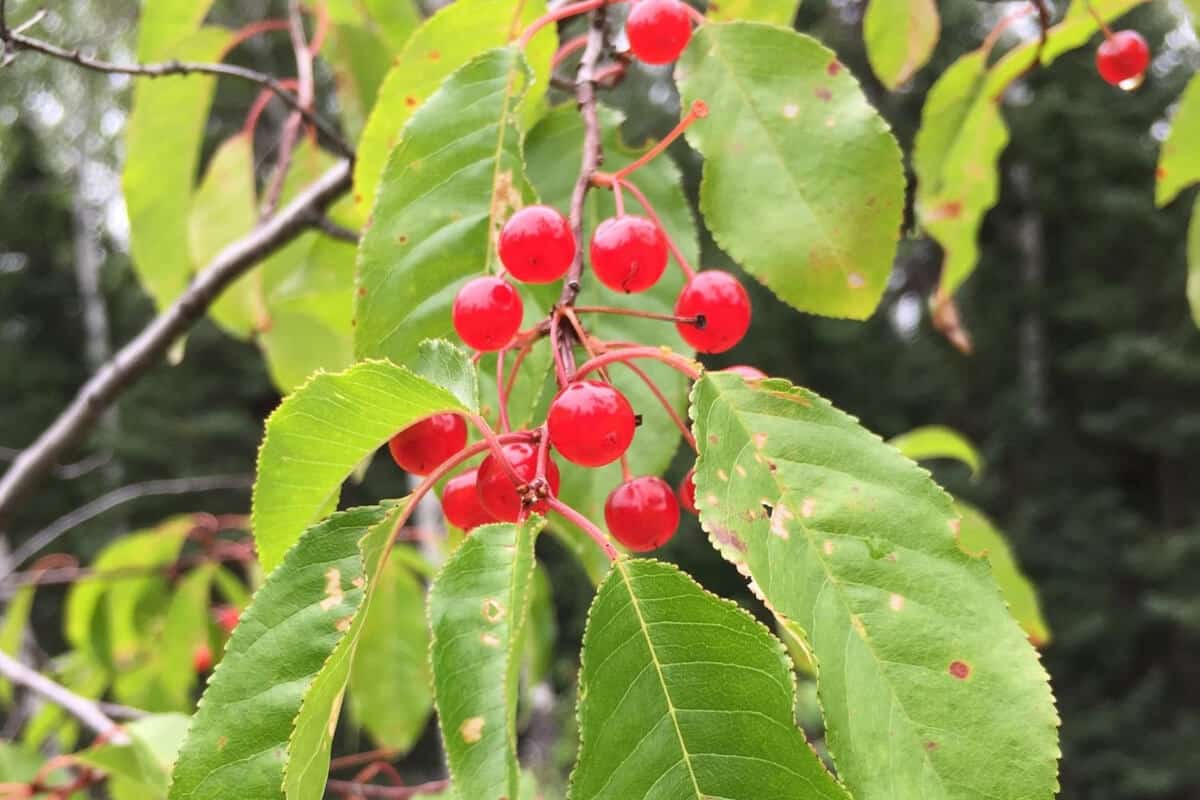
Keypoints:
pixel 585 525
pixel 501 394
pixel 494 443
pixel 260 104
pixel 699 110
pixel 633 312
pixel 666 404
pixel 675 251
pixel 568 47
pixel 624 354
pixel 562 12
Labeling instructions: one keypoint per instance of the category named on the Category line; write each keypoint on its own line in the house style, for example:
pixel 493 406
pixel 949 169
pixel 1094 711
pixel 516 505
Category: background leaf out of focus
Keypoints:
pixel 1081 394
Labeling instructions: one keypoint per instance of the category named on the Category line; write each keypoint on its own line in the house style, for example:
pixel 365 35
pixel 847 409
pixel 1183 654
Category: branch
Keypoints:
pixel 81 708
pixel 304 92
pixel 335 231
pixel 15 41
pixel 155 340
pixel 593 157
pixel 353 789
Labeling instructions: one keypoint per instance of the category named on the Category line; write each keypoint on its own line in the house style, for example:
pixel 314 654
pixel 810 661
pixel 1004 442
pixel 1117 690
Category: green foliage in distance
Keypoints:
pixel 684 695
pixel 456 34
pixel 900 37
pixel 448 186
pixel 320 433
pixel 264 726
pixel 777 12
pixel 140 770
pixel 12 632
pixel 1193 256
pixel 854 545
pixel 938 441
pixel 478 615
pixel 803 184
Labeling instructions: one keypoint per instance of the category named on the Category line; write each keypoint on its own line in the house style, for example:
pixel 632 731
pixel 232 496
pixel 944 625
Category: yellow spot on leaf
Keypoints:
pixel 895 602
pixel 493 612
pixel 471 730
pixel 827 547
pixel 333 589
pixel 808 507
pixel 490 639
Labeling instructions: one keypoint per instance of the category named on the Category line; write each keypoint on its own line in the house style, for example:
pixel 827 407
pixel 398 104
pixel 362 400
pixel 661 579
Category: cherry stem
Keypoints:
pixel 685 365
pixel 543 452
pixel 562 12
pixel 248 32
pixel 495 445
pixel 675 251
pixel 619 198
pixel 1003 24
pixel 501 394
pixel 260 104
pixel 666 404
pixel 626 472
pixel 634 312
pixel 585 525
pixel 582 334
pixel 699 110
pixel 696 14
pixel 568 47
pixel 560 370
pixel 516 368
pixel 1108 34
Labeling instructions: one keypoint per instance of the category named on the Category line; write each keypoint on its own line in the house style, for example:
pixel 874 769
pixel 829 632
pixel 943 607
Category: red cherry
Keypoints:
pixel 227 617
pixel 642 513
pixel 629 253
pixel 487 312
pixel 202 659
pixel 422 446
pixel 460 502
pixel 1122 57
pixel 747 372
pixel 723 307
pixel 658 30
pixel 537 245
pixel 591 423
pixel 496 491
pixel 687 491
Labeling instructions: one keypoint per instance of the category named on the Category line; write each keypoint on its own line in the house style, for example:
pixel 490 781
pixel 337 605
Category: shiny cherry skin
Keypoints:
pixel 658 30
pixel 642 513
pixel 591 423
pixel 460 502
pixel 202 658
pixel 687 492
pixel 747 372
pixel 1122 57
pixel 422 446
pixel 487 313
pixel 496 491
pixel 227 617
pixel 629 253
pixel 536 245
pixel 723 309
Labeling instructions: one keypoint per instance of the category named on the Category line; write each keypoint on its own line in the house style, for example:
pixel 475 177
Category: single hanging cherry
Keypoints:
pixel 687 491
pixel 1122 59
pixel 591 423
pixel 422 446
pixel 536 245
pixel 628 253
pixel 642 513
pixel 461 504
pixel 498 494
pixel 721 308
pixel 487 313
pixel 658 30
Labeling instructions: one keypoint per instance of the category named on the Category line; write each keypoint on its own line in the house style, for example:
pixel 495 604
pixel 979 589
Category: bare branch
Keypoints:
pixel 84 710
pixel 156 339
pixel 15 41
pixel 291 127
pixel 353 789
pixel 47 535
pixel 335 231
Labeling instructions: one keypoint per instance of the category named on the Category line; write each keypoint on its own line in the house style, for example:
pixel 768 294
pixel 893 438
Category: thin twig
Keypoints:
pixel 16 41
pixel 84 710
pixel 291 127
pixel 335 231
pixel 370 790
pixel 149 346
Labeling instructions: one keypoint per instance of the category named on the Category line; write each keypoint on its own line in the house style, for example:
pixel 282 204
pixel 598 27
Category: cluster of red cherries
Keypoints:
pixel 590 422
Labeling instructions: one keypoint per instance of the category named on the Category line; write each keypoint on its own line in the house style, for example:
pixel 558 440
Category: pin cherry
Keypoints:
pixel 629 253
pixel 747 372
pixel 536 245
pixel 687 491
pixel 591 423
pixel 424 445
pixel 460 502
pixel 227 617
pixel 487 313
pixel 1122 59
pixel 642 513
pixel 498 495
pixel 202 658
pixel 722 307
pixel 658 30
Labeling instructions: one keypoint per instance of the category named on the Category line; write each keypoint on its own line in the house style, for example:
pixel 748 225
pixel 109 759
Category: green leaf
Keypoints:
pixel 264 725
pixel 447 365
pixel 448 186
pixel 186 627
pixel 803 184
pixel 683 694
pixel 778 12
pixel 962 135
pixel 854 544
pixel 162 154
pixel 543 629
pixel 12 631
pixel 977 536
pixel 900 37
pixel 478 613
pixel 391 691
pixel 224 208
pixel 393 20
pixel 1193 255
pixel 1179 162
pixel 141 770
pixel 938 441
pixel 558 140
pixel 163 24
pixel 449 39
pixel 319 434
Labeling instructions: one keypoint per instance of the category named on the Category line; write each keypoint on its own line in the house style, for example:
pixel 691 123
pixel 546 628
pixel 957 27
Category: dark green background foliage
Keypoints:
pixel 1082 391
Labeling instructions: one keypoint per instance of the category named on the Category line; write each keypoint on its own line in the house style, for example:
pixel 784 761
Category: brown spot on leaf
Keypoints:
pixel 493 612
pixel 410 101
pixel 723 475
pixel 960 670
pixel 712 438
pixel 362 291
pixel 344 623
pixel 1160 173
pixel 931 746
pixel 824 94
pixel 333 589
pixel 855 280
pixel 402 239
pixel 834 67
pixel 221 742
pixel 728 538
pixel 740 470
pixel 434 55
pixel 471 730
